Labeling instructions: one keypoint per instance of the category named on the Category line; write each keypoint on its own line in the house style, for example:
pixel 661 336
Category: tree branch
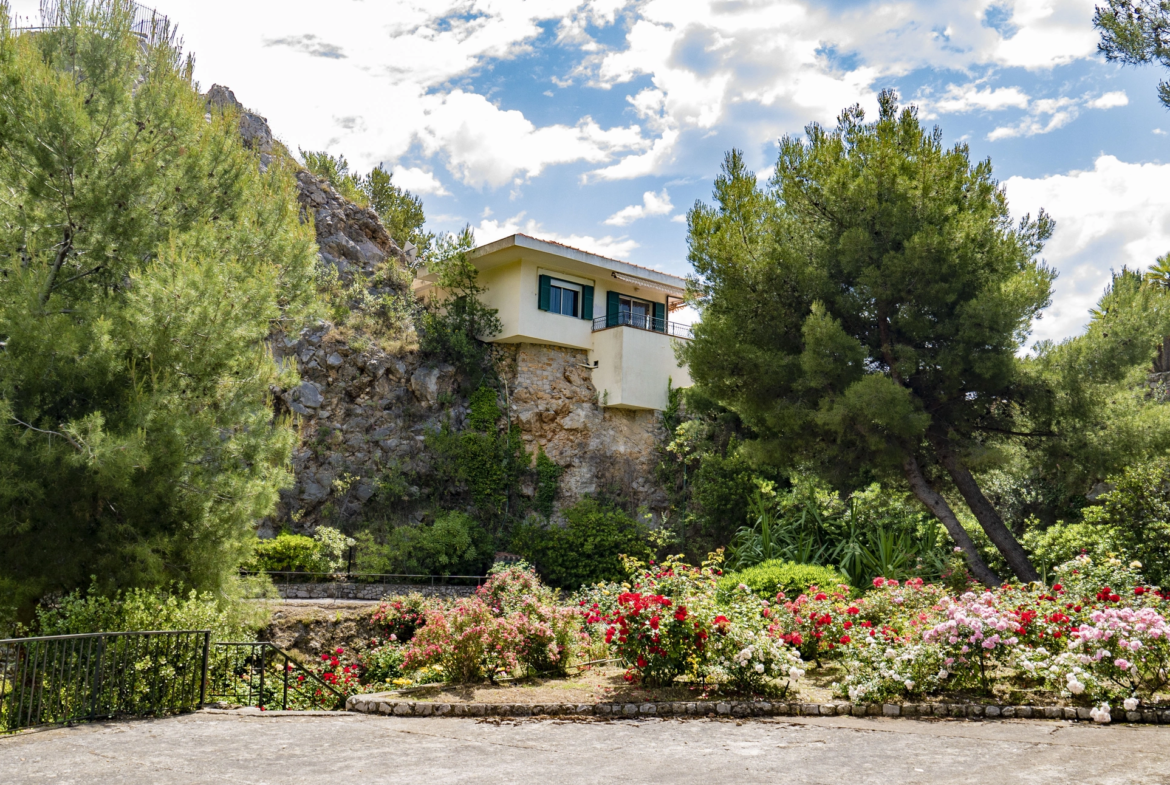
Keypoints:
pixel 72 443
pixel 62 255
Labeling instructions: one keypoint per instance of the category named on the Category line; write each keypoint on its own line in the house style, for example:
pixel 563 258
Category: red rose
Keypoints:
pixel 1139 591
pixel 847 625
pixel 845 639
pixel 641 661
pixel 681 613
pixel 654 622
pixel 821 596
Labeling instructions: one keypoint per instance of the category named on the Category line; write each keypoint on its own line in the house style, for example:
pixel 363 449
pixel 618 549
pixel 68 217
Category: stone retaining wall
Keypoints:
pixel 366 591
pixel 389 704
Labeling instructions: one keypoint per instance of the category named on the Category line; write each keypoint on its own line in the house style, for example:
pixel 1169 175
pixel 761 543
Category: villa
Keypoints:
pixel 616 312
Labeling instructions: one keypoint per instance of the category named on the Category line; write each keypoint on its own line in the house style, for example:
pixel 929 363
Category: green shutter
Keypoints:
pixel 545 292
pixel 611 309
pixel 587 302
pixel 659 317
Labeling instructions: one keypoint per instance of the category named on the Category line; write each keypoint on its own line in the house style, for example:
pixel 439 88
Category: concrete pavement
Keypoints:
pixel 344 748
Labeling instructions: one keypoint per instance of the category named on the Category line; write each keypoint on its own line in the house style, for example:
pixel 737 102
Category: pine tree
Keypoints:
pixel 863 314
pixel 144 260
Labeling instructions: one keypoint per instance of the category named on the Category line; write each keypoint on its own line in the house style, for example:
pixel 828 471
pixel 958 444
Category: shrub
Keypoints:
pixel 587 549
pixel 398 619
pixel 325 551
pixel 452 544
pixel 548 475
pixel 1136 517
pixel 150 609
pixel 769 578
pixel 381 664
pixel 510 626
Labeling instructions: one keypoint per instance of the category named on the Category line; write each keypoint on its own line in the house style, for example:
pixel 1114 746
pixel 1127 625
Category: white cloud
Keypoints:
pixel 490 230
pixel 652 204
pixel 1048 114
pixel 968 98
pixel 1114 214
pixel 1110 100
pixel 418 181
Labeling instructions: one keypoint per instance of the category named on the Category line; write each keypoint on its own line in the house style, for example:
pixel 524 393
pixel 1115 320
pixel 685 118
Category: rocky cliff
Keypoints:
pixel 364 405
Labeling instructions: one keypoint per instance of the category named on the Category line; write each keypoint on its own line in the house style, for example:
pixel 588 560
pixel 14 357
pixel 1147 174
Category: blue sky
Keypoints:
pixel 598 123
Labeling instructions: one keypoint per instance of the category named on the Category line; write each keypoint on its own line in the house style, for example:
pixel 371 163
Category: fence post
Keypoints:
pixel 97 677
pixel 203 683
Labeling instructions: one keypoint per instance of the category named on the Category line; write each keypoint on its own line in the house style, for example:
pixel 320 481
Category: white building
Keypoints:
pixel 620 313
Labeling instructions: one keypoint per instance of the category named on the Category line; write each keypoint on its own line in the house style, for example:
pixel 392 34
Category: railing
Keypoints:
pixel 641 322
pixel 262 675
pixel 146 23
pixel 294 576
pixel 68 678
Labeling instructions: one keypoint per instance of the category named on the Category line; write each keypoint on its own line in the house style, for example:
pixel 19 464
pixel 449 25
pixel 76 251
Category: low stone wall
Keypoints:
pixel 366 591
pixel 384 703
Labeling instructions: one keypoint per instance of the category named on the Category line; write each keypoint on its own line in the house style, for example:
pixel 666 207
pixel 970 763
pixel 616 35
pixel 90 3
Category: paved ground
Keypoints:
pixel 351 748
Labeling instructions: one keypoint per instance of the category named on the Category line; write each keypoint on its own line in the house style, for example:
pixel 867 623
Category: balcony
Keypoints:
pixel 642 322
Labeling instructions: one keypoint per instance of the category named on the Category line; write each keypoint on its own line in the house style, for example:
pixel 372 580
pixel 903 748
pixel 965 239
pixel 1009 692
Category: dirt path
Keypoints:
pixel 345 748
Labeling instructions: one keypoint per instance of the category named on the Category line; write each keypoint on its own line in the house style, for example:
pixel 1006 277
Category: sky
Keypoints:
pixel 599 123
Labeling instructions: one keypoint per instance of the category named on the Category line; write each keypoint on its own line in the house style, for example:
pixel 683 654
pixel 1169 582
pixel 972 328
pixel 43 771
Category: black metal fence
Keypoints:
pixel 260 674
pixel 67 678
pixel 641 322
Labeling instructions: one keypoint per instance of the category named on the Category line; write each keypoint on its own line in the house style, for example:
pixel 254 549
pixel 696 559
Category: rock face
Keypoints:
pixel 602 449
pixel 351 238
pixel 363 414
pixel 254 130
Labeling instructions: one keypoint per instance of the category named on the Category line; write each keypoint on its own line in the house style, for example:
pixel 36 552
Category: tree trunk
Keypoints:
pixel 938 505
pixel 984 511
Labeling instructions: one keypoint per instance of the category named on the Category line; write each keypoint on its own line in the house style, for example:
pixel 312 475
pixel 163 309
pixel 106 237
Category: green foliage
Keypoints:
pixel 898 293
pixel 286 553
pixel 456 324
pixel 452 544
pixel 482 462
pixel 147 262
pixel 1063 542
pixel 720 494
pixel 1136 513
pixel 1134 32
pixel 400 210
pixel 150 609
pixel 548 476
pixel 335 169
pixel 325 551
pixel 873 533
pixel 1100 414
pixel 484 409
pixel 776 575
pixel 587 549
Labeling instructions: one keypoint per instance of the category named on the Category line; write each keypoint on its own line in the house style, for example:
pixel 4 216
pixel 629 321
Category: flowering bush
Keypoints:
pixel 748 660
pixel 399 618
pixel 510 625
pixel 976 635
pixel 880 670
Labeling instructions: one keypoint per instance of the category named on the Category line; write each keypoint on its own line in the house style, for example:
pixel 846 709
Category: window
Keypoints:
pixel 633 312
pixel 568 299
pixel 564 298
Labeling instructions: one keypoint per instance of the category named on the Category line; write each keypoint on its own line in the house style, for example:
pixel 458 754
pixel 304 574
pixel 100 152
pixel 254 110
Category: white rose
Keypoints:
pixel 759 667
pixel 1130 704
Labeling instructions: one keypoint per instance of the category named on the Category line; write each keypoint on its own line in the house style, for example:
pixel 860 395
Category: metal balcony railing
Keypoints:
pixel 642 322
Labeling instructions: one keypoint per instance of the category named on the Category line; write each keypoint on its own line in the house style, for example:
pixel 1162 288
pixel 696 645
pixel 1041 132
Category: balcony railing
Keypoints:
pixel 642 322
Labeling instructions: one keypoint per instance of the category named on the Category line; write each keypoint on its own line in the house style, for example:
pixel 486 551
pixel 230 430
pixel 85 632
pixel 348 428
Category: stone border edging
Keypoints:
pixel 375 704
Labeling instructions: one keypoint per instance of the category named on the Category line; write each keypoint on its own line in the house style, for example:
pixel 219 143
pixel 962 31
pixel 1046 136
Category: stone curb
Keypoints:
pixel 376 704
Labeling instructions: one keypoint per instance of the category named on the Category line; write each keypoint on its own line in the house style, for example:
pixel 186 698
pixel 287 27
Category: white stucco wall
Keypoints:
pixel 634 367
